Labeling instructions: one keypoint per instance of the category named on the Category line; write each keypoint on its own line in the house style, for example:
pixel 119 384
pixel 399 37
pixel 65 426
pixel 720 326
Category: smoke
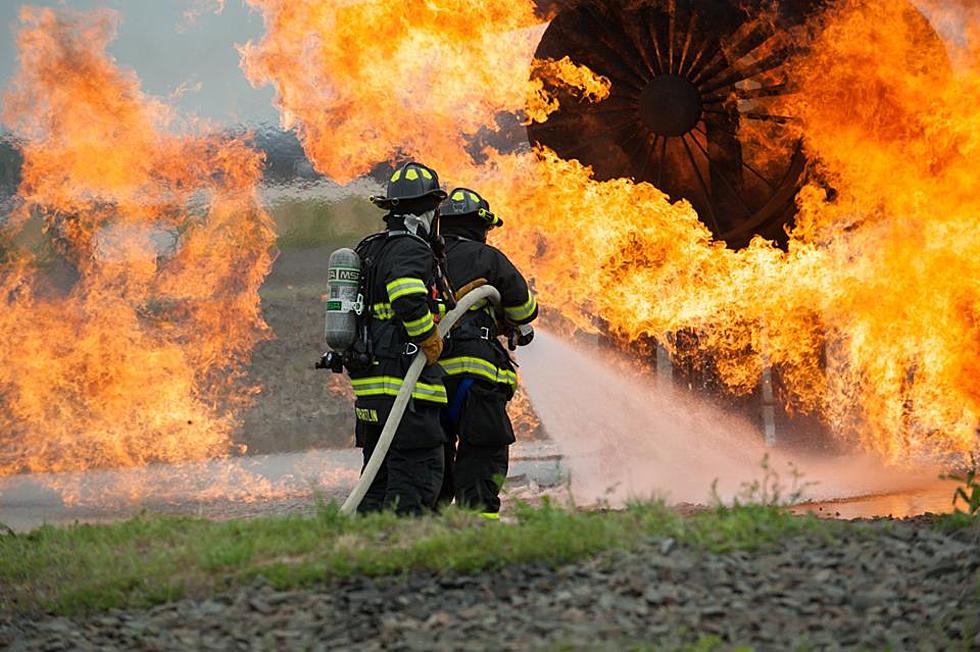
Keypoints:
pixel 952 19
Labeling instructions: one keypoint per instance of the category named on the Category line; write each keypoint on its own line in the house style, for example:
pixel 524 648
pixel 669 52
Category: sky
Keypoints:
pixel 167 51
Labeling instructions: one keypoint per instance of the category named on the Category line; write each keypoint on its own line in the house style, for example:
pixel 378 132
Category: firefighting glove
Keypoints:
pixel 520 336
pixel 469 287
pixel 432 347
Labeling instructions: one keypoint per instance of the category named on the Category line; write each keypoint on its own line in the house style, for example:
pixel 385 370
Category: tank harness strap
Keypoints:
pixel 410 349
pixel 372 250
pixel 370 263
pixel 471 332
pixel 399 233
pixel 452 413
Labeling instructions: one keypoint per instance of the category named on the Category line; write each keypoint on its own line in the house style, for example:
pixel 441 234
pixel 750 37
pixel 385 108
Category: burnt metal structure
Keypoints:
pixel 693 104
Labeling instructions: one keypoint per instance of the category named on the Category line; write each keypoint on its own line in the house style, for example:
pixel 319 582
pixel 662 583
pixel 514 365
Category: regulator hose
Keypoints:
pixel 487 293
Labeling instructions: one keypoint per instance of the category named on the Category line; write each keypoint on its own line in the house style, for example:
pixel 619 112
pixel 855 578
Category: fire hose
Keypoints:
pixel 484 293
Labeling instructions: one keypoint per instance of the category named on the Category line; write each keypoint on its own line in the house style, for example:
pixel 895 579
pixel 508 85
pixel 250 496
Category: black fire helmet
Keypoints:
pixel 413 188
pixel 463 202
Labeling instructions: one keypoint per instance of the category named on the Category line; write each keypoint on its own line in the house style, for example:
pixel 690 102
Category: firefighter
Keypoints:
pixel 480 377
pixel 400 272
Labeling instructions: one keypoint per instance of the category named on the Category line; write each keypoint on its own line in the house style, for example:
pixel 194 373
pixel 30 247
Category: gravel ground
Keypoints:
pixel 902 586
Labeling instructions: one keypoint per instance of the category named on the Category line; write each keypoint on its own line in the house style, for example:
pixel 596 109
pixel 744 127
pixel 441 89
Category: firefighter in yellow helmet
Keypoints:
pixel 399 272
pixel 480 376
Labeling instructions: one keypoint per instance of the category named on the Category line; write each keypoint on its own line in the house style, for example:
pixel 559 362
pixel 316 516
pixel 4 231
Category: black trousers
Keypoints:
pixel 410 477
pixel 477 449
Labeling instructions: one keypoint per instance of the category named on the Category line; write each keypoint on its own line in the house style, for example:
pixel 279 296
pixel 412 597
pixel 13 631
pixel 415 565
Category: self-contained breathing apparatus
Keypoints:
pixel 350 278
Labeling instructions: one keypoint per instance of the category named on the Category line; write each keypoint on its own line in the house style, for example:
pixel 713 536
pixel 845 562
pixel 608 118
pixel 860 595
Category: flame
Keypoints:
pixel 361 81
pixel 870 313
pixel 130 296
pixel 525 421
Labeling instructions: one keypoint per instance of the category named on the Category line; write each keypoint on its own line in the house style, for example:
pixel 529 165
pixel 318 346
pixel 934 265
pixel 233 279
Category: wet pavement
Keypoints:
pixel 226 488
pixel 267 484
pixel 934 499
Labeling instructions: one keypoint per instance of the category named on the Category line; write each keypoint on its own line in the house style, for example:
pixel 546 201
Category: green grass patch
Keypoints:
pixel 966 499
pixel 955 521
pixel 153 559
pixel 307 223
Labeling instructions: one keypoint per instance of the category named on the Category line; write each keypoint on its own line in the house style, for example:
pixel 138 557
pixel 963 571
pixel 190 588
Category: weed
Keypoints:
pixel 770 490
pixel 969 490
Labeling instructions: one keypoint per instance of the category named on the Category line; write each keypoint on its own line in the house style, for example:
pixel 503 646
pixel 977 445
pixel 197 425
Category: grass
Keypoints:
pixel 967 494
pixel 154 559
pixel 299 224
pixel 307 223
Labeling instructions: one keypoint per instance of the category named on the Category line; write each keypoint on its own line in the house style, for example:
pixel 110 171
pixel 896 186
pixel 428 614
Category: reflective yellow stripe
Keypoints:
pixel 401 287
pixel 389 386
pixel 523 311
pixel 478 367
pixel 493 516
pixel 382 311
pixel 418 326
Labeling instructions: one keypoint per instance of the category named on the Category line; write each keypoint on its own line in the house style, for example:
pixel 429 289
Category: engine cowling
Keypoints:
pixel 691 108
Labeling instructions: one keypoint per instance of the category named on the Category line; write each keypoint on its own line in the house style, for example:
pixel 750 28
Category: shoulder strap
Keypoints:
pixel 370 251
pixel 398 234
pixel 362 246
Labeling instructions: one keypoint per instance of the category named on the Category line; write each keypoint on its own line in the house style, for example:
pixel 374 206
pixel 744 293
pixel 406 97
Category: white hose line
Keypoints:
pixel 486 292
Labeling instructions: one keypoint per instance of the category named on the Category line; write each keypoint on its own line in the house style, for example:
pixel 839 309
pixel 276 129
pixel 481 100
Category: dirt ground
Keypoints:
pixel 296 408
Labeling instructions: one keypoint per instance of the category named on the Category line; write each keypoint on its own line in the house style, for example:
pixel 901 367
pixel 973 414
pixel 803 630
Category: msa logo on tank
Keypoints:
pixel 343 275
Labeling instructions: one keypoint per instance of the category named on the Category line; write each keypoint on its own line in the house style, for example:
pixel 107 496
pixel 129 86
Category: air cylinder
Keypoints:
pixel 343 304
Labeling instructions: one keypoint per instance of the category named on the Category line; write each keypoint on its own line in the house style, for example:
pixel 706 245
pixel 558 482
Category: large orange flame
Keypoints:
pixel 871 313
pixel 126 343
pixel 364 80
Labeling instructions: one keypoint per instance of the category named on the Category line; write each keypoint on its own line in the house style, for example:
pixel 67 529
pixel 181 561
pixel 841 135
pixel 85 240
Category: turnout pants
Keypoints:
pixel 412 472
pixel 477 449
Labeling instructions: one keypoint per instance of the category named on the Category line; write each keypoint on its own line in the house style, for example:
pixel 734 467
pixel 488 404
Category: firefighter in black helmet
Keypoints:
pixel 480 377
pixel 399 273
